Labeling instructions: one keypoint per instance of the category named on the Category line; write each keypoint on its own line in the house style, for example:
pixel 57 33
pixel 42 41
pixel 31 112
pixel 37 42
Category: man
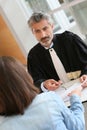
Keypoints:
pixel 70 49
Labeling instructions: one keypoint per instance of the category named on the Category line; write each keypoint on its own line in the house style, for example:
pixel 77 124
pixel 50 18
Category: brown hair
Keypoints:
pixel 16 87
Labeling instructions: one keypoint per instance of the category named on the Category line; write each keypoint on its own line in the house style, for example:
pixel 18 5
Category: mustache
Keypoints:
pixel 44 38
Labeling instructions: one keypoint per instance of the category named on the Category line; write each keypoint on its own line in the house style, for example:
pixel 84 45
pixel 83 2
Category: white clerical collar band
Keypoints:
pixel 60 70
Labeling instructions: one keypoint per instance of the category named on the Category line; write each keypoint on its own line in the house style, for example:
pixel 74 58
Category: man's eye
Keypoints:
pixel 45 28
pixel 37 31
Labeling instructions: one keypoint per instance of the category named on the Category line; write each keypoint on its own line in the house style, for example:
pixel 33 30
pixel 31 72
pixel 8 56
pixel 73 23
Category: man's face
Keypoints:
pixel 43 32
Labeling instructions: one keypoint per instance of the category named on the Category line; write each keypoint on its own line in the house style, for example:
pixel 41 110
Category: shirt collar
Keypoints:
pixel 50 46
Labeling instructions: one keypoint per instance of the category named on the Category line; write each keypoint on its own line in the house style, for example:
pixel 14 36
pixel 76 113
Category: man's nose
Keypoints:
pixel 43 33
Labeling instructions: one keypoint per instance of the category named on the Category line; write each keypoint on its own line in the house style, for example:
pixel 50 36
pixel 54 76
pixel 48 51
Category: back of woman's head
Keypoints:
pixel 16 87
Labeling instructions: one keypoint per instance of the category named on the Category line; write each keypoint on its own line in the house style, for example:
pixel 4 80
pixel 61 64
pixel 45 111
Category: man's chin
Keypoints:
pixel 46 44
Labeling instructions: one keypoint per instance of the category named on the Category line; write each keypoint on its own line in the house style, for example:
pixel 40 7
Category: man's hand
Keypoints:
pixel 83 80
pixel 52 84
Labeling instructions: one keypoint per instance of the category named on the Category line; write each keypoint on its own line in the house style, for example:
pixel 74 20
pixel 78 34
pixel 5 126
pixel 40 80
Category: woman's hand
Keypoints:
pixel 77 91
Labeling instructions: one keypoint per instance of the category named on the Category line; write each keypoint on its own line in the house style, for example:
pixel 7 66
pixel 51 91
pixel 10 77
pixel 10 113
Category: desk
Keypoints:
pixel 85 106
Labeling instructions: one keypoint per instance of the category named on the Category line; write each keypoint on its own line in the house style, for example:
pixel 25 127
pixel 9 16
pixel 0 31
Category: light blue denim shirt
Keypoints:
pixel 48 112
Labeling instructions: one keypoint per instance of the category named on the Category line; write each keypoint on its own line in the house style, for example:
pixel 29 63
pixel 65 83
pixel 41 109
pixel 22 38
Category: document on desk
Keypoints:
pixel 66 88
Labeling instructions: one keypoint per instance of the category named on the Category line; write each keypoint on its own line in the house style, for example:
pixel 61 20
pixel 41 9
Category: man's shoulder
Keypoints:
pixel 65 36
pixel 35 49
pixel 65 33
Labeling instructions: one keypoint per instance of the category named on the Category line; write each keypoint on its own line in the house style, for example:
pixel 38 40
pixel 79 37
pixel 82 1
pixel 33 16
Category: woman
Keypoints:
pixel 22 107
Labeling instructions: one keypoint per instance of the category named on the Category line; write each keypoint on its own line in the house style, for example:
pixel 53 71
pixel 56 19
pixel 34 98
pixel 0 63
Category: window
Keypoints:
pixel 64 12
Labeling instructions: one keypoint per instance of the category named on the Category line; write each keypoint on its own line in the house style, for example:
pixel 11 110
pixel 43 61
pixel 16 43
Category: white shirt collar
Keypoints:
pixel 50 46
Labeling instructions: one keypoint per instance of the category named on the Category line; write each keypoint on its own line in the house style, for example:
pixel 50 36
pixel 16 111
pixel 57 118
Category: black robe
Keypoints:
pixel 71 50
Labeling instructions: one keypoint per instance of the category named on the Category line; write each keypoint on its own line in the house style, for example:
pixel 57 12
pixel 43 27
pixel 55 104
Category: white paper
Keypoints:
pixel 66 88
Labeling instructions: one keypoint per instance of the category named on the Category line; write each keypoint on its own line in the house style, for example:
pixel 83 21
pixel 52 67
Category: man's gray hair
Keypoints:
pixel 37 17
